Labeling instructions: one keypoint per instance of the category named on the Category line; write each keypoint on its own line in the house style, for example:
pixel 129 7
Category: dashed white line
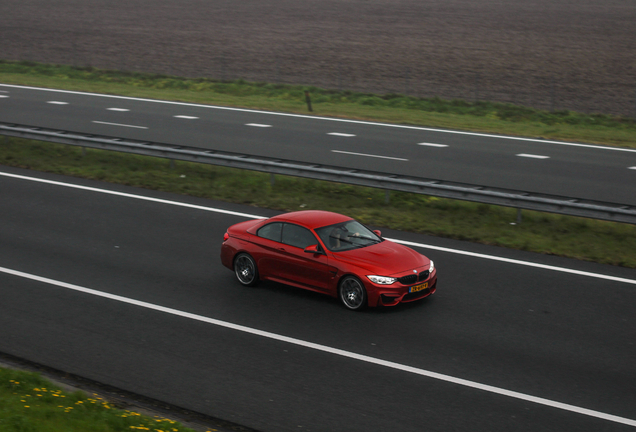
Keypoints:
pixel 433 145
pixel 533 156
pixel 57 103
pixel 634 168
pixel 4 96
pixel 328 349
pixel 186 117
pixel 118 109
pixel 258 125
pixel 330 119
pixel 119 124
pixel 341 134
pixel 369 155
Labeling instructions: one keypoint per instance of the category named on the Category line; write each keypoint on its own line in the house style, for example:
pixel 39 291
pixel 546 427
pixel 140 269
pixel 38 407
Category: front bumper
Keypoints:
pixel 391 295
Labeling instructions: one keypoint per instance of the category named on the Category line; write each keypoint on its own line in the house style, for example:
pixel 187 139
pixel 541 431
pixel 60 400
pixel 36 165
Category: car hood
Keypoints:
pixel 385 259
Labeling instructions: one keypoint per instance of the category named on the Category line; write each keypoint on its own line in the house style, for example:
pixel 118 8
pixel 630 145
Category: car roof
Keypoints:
pixel 312 218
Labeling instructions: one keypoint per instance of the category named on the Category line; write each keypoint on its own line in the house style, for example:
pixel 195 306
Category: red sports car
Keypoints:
pixel 329 253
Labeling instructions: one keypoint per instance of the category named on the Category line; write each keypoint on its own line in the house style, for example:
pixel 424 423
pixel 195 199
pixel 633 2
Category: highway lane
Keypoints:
pixel 538 166
pixel 564 337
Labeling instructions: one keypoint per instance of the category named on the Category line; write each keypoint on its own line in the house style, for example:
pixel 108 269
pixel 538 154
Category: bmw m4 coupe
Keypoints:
pixel 328 253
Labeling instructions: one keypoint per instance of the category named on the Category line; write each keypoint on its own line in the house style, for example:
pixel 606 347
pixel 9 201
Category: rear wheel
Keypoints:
pixel 245 269
pixel 352 293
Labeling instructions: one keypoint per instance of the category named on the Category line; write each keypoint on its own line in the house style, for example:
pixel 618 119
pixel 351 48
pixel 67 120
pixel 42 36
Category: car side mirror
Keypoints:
pixel 378 233
pixel 315 249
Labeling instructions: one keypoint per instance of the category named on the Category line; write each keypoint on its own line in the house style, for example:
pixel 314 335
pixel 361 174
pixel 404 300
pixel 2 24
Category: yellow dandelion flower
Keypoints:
pixel 26 406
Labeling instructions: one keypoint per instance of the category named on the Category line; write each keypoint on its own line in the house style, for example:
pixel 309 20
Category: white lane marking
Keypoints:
pixel 634 168
pixel 532 156
pixel 341 134
pixel 369 155
pixel 57 103
pixel 514 261
pixel 433 145
pixel 253 216
pixel 599 147
pixel 258 125
pixel 328 349
pixel 186 117
pixel 119 124
pixel 118 109
pixel 4 91
pixel 127 195
pixel 4 96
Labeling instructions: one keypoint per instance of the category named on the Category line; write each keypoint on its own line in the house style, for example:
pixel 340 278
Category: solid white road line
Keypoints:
pixel 433 145
pixel 258 125
pixel 340 134
pixel 369 155
pixel 57 103
pixel 514 261
pixel 118 109
pixel 328 349
pixel 533 156
pixel 186 117
pixel 634 168
pixel 254 216
pixel 327 119
pixel 126 195
pixel 119 124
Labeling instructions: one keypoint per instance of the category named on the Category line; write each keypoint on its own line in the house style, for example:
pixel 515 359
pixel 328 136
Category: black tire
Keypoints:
pixel 245 269
pixel 352 293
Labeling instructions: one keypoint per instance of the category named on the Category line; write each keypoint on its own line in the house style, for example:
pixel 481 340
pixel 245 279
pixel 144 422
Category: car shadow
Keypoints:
pixel 294 293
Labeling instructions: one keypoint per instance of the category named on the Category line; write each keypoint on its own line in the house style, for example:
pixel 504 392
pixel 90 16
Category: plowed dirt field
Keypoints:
pixel 553 54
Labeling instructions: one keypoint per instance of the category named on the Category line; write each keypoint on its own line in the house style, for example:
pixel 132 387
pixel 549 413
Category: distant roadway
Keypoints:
pixel 576 170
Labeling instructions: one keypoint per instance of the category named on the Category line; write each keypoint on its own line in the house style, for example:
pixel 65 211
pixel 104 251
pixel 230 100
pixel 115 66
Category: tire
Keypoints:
pixel 245 269
pixel 352 293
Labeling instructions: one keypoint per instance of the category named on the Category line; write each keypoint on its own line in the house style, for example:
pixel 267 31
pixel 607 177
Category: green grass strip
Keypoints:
pixel 479 116
pixel 31 403
pixel 585 239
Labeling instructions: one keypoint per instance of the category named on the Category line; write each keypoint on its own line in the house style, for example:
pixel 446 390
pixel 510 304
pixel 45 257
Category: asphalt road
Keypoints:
pixel 167 321
pixel 533 165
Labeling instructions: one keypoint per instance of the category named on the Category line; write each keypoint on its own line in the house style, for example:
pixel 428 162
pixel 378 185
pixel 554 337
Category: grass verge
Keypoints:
pixel 30 403
pixel 585 239
pixel 479 116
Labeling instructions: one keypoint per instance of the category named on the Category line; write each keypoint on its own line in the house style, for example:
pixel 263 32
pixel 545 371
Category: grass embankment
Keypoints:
pixel 598 241
pixel 30 403
pixel 586 239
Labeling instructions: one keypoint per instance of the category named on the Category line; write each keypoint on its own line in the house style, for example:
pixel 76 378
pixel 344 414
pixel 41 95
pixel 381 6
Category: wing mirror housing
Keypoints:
pixel 378 233
pixel 315 249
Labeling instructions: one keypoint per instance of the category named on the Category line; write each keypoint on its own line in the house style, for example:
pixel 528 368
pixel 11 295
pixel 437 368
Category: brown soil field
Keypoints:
pixel 551 54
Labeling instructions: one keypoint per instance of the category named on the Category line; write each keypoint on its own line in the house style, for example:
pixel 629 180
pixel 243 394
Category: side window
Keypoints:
pixel 298 236
pixel 271 231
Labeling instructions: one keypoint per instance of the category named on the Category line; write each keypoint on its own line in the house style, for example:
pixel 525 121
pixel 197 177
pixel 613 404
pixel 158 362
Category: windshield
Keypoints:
pixel 347 235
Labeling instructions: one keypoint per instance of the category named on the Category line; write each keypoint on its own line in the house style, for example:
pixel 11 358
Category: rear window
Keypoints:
pixel 271 231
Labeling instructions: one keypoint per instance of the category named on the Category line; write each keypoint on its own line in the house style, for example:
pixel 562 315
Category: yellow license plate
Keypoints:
pixel 420 287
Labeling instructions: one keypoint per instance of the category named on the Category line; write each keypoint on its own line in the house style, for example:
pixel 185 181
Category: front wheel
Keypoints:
pixel 352 293
pixel 245 269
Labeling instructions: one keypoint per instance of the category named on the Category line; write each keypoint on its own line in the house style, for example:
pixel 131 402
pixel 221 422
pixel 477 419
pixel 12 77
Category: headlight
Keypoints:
pixel 432 267
pixel 382 280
